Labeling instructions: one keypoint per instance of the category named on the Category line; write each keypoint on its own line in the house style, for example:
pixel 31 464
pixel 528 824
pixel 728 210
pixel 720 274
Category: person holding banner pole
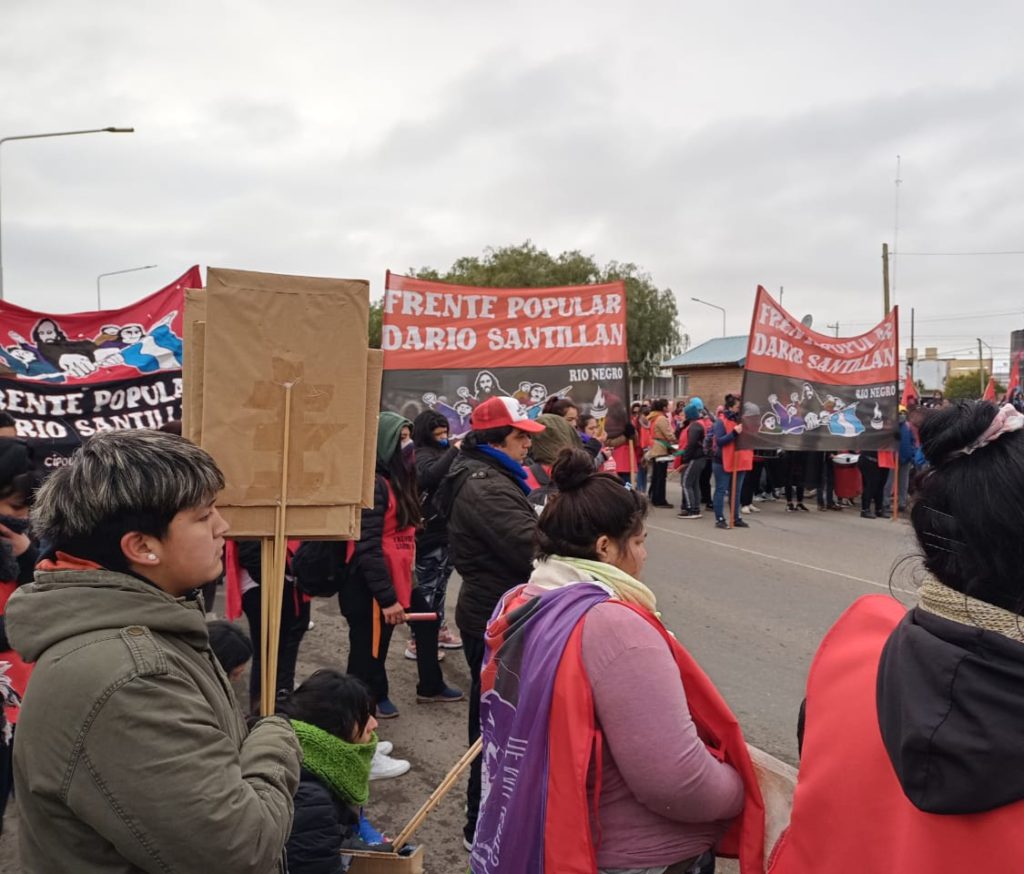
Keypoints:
pixel 693 458
pixel 729 464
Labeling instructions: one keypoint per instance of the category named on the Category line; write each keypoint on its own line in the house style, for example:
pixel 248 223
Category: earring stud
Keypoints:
pixel 151 556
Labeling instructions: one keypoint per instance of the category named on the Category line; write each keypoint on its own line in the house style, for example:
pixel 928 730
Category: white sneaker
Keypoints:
pixel 384 747
pixel 410 652
pixel 748 509
pixel 384 767
pixel 752 509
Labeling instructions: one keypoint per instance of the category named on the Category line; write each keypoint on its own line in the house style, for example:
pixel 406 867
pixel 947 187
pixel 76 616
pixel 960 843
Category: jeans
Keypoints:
pixel 827 482
pixel 294 624
pixel 433 570
pixel 904 472
pixel 704 864
pixel 357 605
pixel 473 647
pixel 723 485
pixel 691 484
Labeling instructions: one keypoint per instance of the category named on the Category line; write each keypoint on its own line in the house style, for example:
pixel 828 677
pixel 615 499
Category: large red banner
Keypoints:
pixel 63 377
pixel 805 390
pixel 439 326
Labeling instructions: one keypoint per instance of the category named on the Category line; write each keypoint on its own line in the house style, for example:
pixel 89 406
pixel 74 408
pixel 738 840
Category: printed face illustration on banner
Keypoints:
pixel 64 377
pixel 806 391
pixel 451 347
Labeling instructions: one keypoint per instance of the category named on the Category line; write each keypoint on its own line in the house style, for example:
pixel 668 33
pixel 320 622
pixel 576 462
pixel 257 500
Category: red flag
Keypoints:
pixel 910 397
pixel 1014 375
pixel 990 390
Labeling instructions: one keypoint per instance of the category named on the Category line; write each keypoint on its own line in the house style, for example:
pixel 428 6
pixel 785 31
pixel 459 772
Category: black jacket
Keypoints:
pixel 320 824
pixel 432 466
pixel 491 530
pixel 368 567
pixel 951 714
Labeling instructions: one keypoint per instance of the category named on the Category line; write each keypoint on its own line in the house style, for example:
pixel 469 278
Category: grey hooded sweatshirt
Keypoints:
pixel 131 752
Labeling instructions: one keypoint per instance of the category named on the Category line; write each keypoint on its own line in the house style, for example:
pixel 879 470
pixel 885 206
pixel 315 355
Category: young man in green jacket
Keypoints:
pixel 131 752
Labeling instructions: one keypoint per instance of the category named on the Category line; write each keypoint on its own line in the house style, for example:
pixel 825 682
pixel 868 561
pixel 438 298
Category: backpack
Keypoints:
pixel 710 442
pixel 438 505
pixel 321 566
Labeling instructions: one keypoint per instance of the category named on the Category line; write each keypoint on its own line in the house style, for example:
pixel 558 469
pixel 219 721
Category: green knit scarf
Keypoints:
pixel 345 767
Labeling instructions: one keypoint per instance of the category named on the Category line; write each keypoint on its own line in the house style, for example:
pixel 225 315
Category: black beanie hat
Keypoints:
pixel 229 643
pixel 14 459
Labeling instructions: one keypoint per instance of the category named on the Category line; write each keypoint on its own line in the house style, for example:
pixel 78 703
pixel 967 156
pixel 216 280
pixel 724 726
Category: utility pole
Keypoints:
pixel 835 327
pixel 780 295
pixel 885 276
pixel 913 353
pixel 981 370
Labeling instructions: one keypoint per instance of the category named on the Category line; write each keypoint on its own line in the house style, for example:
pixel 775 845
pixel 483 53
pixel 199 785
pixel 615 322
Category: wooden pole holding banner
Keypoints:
pixel 896 488
pixel 273 573
pixel 732 500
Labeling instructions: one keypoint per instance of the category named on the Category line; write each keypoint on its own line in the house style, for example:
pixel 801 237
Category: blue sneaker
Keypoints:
pixel 446 696
pixel 385 709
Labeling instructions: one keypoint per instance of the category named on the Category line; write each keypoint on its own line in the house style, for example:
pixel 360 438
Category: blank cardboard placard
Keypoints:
pixel 263 331
pixel 193 330
pixel 374 375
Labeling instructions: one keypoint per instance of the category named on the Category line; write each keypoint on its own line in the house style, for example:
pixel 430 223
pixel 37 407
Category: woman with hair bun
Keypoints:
pixel 605 746
pixel 912 747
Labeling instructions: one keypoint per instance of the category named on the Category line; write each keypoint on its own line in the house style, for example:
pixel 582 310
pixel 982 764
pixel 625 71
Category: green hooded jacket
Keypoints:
pixel 132 754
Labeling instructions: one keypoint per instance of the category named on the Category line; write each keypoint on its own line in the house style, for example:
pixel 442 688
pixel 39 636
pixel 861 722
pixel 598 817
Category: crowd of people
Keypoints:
pixel 127 751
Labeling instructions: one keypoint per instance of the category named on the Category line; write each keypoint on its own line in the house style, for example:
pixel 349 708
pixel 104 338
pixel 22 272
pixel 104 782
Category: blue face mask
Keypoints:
pixel 443 443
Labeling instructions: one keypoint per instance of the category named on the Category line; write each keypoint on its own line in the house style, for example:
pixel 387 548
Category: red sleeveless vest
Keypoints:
pixel 850 815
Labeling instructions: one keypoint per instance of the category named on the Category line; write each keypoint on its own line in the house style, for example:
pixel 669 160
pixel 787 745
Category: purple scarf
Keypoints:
pixel 524 651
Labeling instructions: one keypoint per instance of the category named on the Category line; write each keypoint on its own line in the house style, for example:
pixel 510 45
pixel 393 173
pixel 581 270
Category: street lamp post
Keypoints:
pixel 65 133
pixel 99 303
pixel 716 306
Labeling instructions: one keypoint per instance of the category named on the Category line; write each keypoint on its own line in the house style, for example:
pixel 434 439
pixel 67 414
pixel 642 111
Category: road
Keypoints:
pixel 750 604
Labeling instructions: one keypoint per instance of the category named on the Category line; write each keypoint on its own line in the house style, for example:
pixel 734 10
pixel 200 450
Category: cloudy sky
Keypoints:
pixel 718 145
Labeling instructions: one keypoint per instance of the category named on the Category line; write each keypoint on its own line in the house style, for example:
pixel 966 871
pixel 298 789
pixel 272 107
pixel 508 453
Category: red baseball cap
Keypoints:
pixel 497 412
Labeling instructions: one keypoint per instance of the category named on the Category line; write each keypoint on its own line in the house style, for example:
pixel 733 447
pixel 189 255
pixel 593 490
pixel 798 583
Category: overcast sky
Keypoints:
pixel 718 147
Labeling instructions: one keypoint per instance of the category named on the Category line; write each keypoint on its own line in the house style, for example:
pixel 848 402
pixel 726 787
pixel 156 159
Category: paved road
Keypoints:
pixel 751 605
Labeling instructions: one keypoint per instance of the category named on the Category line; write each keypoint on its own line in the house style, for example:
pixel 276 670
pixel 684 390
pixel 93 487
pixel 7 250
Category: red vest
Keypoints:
pixel 575 741
pixel 734 459
pixel 850 815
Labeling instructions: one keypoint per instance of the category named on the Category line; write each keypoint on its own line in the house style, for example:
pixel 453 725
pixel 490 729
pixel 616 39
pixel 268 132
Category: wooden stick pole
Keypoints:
pixel 438 794
pixel 732 501
pixel 896 489
pixel 266 573
pixel 273 574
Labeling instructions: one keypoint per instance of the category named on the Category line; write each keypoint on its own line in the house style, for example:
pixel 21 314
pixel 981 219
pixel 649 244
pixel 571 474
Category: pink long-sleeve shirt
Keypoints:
pixel 664 797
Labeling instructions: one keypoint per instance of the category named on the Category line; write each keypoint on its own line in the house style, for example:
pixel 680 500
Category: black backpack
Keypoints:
pixel 320 567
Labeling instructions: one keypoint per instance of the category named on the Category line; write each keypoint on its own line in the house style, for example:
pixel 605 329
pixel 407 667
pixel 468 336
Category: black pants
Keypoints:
pixel 691 484
pixel 874 485
pixel 659 474
pixel 473 647
pixel 751 484
pixel 356 604
pixel 705 485
pixel 796 475
pixel 294 623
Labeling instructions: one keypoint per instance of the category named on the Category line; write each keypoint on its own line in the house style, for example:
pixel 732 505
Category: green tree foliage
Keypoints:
pixel 652 326
pixel 376 320
pixel 967 385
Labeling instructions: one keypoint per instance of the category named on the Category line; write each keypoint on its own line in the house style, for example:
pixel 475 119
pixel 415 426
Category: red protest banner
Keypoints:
pixel 807 391
pixel 63 377
pixel 439 326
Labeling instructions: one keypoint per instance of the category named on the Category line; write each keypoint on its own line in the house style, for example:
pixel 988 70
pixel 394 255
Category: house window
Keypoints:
pixel 682 385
